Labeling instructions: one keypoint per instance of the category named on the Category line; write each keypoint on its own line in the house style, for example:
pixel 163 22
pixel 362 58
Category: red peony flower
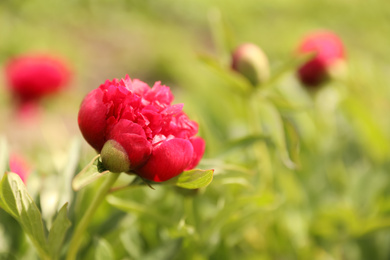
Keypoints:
pixel 328 52
pixel 19 166
pixel 33 76
pixel 136 129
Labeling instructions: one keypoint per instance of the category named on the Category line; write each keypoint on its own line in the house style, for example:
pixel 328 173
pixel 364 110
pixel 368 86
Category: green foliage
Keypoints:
pixel 17 202
pixel 90 173
pixel 193 179
pixel 297 173
pixel 57 232
pixel 3 156
pixel 103 250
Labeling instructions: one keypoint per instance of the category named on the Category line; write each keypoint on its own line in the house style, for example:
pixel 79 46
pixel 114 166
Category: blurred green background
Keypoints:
pixel 312 184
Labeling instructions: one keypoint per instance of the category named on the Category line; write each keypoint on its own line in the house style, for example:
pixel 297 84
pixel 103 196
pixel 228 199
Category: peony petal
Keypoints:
pixel 139 87
pixel 199 146
pixel 125 126
pixel 160 95
pixel 168 160
pixel 19 166
pixel 92 119
pixel 137 147
pixel 312 73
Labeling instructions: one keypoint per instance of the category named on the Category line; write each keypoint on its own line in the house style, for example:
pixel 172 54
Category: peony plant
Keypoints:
pixel 136 130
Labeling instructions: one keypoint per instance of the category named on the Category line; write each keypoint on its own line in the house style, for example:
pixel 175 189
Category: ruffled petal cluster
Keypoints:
pixel 157 137
pixel 328 51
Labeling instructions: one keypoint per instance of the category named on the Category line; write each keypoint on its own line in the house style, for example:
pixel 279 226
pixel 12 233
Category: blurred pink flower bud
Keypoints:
pixel 19 166
pixel 249 60
pixel 136 129
pixel 33 76
pixel 329 54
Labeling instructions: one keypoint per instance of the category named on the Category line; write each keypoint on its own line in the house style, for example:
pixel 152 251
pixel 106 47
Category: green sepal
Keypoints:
pixel 89 174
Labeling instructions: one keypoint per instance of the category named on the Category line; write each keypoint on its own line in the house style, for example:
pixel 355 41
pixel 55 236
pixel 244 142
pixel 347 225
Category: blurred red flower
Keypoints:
pixel 33 76
pixel 328 51
pixel 19 166
pixel 157 139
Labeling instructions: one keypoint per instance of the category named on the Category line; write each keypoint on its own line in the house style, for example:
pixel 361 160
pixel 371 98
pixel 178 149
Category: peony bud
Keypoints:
pixel 251 62
pixel 328 58
pixel 137 129
pixel 31 77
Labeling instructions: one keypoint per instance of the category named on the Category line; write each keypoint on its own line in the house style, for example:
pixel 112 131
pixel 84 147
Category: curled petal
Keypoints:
pixel 199 146
pixel 92 119
pixel 125 126
pixel 167 160
pixel 139 87
pixel 160 95
pixel 137 147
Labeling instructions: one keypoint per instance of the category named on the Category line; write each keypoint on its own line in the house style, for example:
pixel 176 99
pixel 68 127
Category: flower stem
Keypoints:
pixel 82 225
pixel 264 165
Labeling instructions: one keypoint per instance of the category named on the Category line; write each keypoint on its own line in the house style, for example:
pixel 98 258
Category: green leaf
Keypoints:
pixel 193 179
pixel 242 143
pixel 20 205
pixel 88 175
pixel 130 206
pixel 293 142
pixel 3 156
pixel 228 213
pixel 287 67
pixel 273 123
pixel 222 166
pixel 131 241
pixel 70 169
pixel 236 82
pixel 367 128
pixel 58 231
pixel 165 251
pixel 221 35
pixel 104 250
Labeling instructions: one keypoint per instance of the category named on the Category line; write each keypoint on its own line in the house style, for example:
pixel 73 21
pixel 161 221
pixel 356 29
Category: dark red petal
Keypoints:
pixel 313 73
pixel 168 160
pixel 92 119
pixel 199 146
pixel 137 147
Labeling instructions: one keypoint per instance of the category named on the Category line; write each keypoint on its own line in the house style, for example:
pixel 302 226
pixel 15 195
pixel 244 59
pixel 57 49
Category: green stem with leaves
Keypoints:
pixel 260 149
pixel 83 224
